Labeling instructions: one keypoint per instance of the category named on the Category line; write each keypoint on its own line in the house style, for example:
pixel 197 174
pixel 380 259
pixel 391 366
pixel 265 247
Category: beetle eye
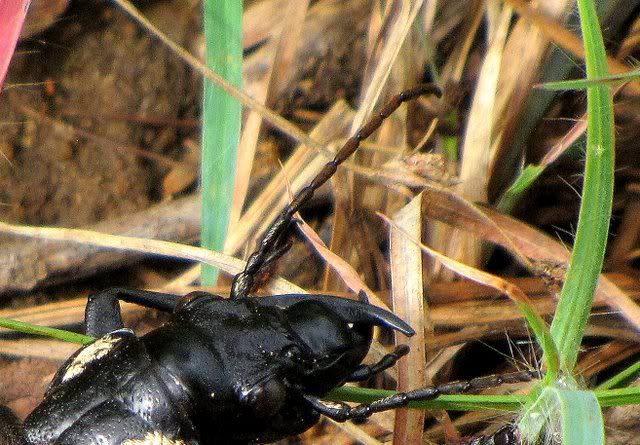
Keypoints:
pixel 267 398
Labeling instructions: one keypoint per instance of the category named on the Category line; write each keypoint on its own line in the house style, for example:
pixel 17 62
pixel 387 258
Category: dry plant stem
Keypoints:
pixel 400 28
pixel 153 247
pixel 496 314
pixel 246 153
pixel 183 281
pixel 525 305
pixel 408 304
pixel 470 421
pixel 26 264
pixel 261 21
pixel 528 46
pixel 465 48
pixel 628 233
pixel 541 246
pixel 288 43
pixel 356 432
pixel 276 78
pixel 385 55
pixel 528 241
pixel 443 293
pixel 348 274
pixel 53 350
pixel 475 167
pixel 442 202
pixel 597 360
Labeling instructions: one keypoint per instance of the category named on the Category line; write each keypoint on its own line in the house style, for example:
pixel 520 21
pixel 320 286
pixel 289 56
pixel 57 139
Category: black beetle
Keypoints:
pixel 222 371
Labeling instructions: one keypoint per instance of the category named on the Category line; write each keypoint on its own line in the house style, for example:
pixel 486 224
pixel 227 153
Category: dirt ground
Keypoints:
pixel 80 135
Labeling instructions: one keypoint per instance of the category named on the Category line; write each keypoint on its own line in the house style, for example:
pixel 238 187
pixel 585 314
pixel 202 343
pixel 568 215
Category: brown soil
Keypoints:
pixel 101 74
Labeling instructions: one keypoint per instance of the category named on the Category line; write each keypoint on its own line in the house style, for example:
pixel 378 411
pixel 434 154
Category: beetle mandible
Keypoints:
pixel 225 371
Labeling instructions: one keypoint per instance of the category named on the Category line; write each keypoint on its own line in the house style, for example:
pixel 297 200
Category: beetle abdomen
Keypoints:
pixel 10 428
pixel 108 392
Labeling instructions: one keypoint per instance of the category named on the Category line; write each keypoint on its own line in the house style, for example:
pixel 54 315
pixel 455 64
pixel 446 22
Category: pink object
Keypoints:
pixel 12 14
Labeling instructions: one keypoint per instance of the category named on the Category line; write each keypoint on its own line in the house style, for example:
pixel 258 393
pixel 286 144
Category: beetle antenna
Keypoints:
pixel 275 236
pixel 341 412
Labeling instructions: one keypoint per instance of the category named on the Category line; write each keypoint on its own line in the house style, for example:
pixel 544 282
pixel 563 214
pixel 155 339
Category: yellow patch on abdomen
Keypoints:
pixel 155 438
pixel 91 353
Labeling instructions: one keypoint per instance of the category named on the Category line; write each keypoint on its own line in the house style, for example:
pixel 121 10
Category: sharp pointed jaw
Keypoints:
pixel 351 310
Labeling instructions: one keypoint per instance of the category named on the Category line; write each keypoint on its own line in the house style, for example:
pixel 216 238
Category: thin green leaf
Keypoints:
pixel 221 123
pixel 619 396
pixel 578 414
pixel 622 377
pixel 578 291
pixel 472 402
pixel 457 402
pixel 581 84
pixel 44 331
pixel 581 418
pixel 522 183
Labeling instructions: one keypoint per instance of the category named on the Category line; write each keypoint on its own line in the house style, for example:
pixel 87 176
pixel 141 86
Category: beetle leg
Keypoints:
pixel 102 314
pixel 365 372
pixel 338 411
pixel 341 412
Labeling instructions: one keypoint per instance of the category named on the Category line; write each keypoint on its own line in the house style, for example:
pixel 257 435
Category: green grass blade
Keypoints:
pixel 44 331
pixel 619 396
pixel 510 402
pixel 561 410
pixel 221 123
pixel 450 144
pixel 457 402
pixel 595 211
pixel 581 84
pixel 622 377
pixel 522 183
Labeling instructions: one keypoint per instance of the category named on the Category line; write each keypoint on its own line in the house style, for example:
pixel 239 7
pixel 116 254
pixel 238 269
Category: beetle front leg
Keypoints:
pixel 365 372
pixel 102 313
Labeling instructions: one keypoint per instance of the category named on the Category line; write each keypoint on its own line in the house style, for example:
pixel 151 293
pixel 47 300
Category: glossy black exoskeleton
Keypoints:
pixel 221 371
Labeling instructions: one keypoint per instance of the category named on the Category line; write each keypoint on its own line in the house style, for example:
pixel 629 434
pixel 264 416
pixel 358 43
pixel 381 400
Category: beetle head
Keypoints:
pixel 332 337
